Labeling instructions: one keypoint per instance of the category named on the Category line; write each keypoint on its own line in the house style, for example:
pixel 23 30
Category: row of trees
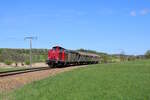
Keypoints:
pixel 107 58
pixel 16 56
pixel 147 54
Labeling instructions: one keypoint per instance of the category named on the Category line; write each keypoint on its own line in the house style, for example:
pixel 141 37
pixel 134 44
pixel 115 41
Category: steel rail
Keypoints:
pixel 21 71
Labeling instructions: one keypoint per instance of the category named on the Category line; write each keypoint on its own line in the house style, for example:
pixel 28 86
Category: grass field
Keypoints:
pixel 125 81
pixel 10 69
pixel 6 69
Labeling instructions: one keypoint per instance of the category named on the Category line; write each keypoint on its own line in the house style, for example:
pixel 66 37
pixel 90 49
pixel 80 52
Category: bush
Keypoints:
pixel 7 62
pixel 27 62
pixel 147 54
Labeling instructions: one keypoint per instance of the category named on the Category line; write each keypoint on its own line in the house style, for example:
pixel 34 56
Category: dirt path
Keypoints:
pixel 13 82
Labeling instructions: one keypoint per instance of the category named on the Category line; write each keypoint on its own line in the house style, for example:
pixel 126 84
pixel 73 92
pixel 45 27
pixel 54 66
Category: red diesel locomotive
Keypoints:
pixel 58 57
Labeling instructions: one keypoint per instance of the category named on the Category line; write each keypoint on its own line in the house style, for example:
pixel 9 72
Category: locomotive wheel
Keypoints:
pixel 51 65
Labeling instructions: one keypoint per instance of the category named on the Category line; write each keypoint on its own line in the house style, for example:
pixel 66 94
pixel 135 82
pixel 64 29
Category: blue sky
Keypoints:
pixel 108 26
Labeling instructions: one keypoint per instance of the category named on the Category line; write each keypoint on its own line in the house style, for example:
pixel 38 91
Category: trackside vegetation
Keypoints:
pixel 10 56
pixel 123 81
pixel 10 69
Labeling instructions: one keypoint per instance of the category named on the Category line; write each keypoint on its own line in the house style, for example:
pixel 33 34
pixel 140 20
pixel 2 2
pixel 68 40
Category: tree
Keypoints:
pixel 5 55
pixel 15 57
pixel 104 59
pixel 10 55
pixel 122 56
pixel 147 54
pixel 22 59
pixel 131 58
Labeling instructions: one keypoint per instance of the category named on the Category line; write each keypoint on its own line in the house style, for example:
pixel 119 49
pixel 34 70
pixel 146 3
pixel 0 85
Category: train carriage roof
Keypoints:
pixel 88 54
pixel 77 52
pixel 72 51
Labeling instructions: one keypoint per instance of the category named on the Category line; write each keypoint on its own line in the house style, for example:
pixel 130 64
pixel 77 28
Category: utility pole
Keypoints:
pixel 30 39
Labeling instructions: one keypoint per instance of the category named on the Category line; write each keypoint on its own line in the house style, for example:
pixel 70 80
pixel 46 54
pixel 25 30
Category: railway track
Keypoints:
pixel 21 71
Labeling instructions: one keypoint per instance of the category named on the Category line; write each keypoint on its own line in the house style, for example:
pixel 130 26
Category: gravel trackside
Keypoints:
pixel 13 82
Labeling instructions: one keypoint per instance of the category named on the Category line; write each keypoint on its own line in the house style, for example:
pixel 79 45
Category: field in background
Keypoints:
pixel 128 81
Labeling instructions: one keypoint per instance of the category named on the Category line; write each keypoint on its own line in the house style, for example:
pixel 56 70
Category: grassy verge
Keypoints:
pixel 125 81
pixel 10 69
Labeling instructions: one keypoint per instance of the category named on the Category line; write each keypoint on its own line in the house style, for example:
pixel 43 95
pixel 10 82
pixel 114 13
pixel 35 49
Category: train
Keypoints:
pixel 60 57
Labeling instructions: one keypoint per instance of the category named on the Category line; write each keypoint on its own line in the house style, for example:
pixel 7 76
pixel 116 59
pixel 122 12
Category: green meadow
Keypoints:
pixel 123 81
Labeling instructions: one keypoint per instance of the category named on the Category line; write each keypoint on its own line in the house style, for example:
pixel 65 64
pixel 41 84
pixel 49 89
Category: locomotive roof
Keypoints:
pixel 79 52
pixel 59 47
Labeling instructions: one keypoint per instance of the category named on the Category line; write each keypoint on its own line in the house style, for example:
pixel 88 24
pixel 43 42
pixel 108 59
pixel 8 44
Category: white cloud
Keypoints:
pixel 144 11
pixel 133 13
